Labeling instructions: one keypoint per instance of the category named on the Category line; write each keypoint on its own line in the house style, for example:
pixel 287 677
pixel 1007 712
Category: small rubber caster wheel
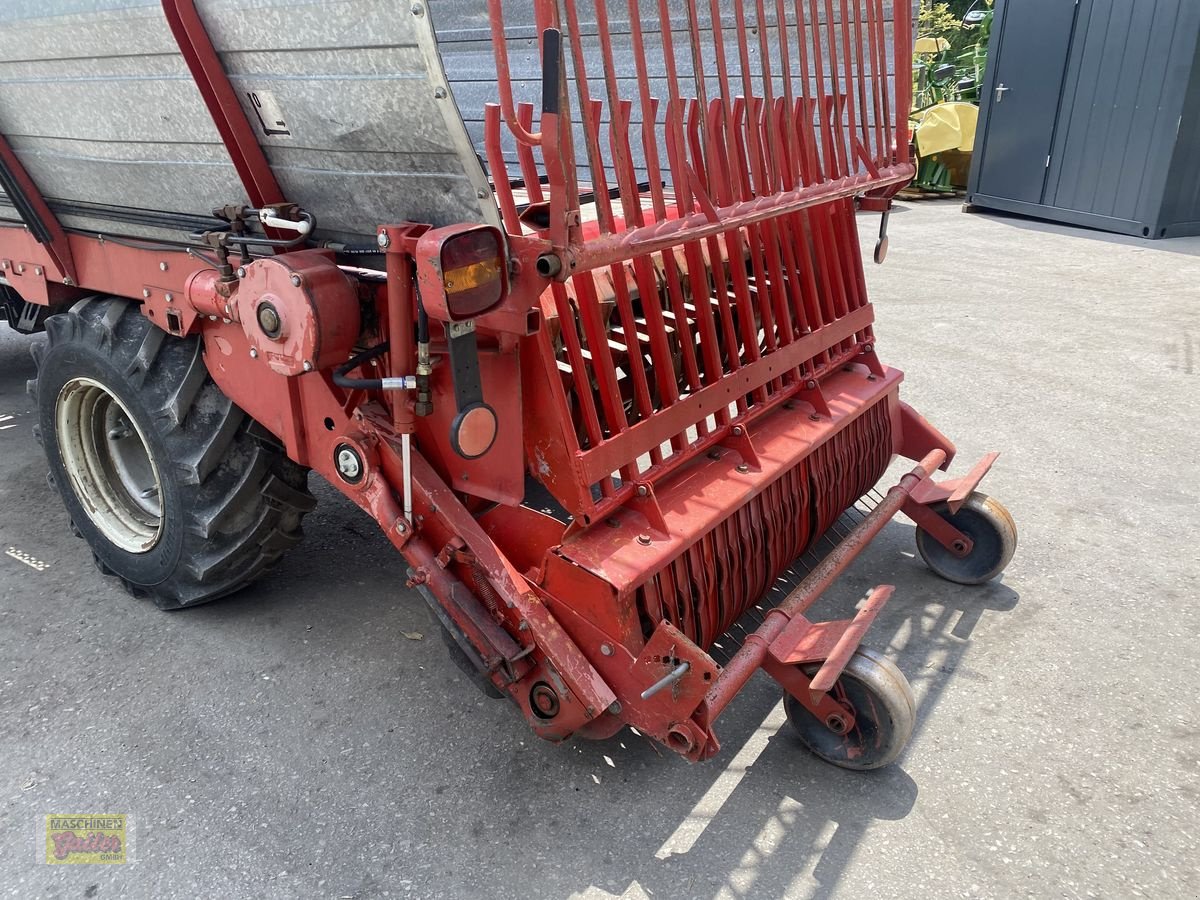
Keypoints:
pixel 992 532
pixel 878 695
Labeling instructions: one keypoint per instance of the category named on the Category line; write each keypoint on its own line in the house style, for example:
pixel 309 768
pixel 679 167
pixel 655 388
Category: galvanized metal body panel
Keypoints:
pixel 1122 144
pixel 100 107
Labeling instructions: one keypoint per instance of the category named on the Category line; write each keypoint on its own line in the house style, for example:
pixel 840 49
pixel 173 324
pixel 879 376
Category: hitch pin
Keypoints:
pixel 667 680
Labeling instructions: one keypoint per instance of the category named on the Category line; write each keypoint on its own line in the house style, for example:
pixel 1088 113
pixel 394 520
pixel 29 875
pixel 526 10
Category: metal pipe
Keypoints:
pixel 667 680
pixel 747 660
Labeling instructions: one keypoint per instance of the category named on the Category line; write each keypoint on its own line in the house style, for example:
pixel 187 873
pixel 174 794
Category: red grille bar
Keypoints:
pixel 698 164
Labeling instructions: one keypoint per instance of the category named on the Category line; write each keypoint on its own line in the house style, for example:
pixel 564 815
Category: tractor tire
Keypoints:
pixel 181 495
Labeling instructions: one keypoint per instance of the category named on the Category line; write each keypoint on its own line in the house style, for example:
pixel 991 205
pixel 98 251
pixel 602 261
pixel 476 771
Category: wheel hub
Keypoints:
pixel 108 461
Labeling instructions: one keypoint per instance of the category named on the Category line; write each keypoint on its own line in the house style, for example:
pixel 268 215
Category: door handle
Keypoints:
pixel 1001 90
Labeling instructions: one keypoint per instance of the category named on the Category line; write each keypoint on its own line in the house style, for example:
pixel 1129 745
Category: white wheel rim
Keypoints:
pixel 107 459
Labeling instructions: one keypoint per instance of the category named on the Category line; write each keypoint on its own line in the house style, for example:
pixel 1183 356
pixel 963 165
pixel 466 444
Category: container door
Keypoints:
pixel 1034 42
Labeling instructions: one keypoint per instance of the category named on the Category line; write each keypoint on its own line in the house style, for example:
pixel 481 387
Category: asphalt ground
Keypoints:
pixel 300 739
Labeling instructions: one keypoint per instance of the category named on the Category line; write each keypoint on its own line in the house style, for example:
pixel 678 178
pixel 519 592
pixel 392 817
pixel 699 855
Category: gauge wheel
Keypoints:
pixel 881 701
pixel 180 494
pixel 993 536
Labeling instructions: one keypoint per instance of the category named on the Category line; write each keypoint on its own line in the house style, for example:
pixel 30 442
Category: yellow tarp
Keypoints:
pixel 947 126
pixel 931 45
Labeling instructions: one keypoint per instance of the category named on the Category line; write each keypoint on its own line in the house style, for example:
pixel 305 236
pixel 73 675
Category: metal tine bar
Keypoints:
pixel 903 41
pixel 622 166
pixel 728 175
pixel 773 161
pixel 860 58
pixel 756 247
pixel 588 110
pixel 499 171
pixel 849 98
pixel 648 288
pixel 579 373
pixel 835 113
pixel 698 77
pixel 805 125
pixel 647 281
pixel 775 233
pixel 878 81
pixel 881 82
pixel 790 138
pixel 602 362
pixel 649 108
pixel 530 173
pixel 649 119
pixel 718 286
pixel 673 122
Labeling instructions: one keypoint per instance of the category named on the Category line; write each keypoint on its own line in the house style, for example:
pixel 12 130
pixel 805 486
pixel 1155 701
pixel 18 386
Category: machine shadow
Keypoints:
pixel 762 819
pixel 771 820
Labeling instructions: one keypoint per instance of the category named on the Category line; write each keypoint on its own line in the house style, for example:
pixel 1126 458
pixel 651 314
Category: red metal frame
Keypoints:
pixel 692 375
pixel 226 110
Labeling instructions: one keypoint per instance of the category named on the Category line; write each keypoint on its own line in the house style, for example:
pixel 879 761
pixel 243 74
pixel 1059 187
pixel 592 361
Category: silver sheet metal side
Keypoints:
pixel 99 105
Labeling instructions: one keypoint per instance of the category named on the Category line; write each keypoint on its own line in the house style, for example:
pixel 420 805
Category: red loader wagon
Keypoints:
pixel 566 295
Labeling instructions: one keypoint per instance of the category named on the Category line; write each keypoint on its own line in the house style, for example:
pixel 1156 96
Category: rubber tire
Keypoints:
pixel 992 531
pixel 232 501
pixel 884 709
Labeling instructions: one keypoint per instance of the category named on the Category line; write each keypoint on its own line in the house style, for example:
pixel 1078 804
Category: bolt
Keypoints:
pixel 440 93
pixel 743 468
pixel 308 367
pixel 615 707
pixel 810 384
pixel 644 539
pixel 816 417
pixel 146 293
pixel 402 526
pixel 642 490
pixel 68 282
pixel 241 272
pixel 253 353
pixel 4 265
pixel 418 9
pixel 348 463
pixel 162 267
pixel 295 281
pixel 20 269
pixel 383 240
pixel 867 348
pixel 871 378
pixel 714 454
pixel 738 430
pixel 37 270
pixel 170 298
pixel 606 649
pixel 481 194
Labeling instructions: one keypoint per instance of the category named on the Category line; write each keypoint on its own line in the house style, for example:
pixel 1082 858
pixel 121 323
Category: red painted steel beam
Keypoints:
pixel 628 445
pixel 611 249
pixel 222 101
pixel 37 215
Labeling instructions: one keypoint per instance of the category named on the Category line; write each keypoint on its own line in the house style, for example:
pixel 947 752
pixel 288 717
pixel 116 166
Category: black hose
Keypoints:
pixel 366 384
